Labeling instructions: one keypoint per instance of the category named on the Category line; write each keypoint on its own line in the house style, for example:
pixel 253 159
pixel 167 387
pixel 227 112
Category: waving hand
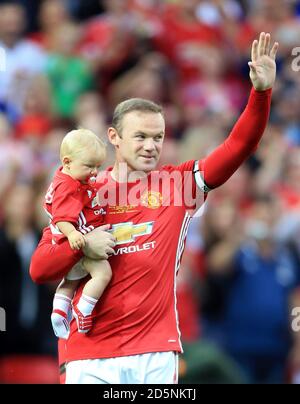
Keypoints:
pixel 262 65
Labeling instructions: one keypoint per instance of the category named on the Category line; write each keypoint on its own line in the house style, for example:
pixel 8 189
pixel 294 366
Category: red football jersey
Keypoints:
pixel 68 200
pixel 137 312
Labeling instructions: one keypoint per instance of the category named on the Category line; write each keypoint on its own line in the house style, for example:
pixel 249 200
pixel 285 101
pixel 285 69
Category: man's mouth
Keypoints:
pixel 148 157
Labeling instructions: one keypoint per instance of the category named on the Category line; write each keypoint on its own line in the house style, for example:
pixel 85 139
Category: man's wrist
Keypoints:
pixel 260 90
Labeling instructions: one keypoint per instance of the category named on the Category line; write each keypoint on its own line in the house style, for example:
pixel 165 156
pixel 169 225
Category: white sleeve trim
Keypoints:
pixel 199 180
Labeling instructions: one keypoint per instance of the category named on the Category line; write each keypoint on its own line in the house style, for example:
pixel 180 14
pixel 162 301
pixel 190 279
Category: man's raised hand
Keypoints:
pixel 262 65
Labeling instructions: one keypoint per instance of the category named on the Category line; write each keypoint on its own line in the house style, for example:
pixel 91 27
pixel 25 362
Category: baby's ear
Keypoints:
pixel 66 160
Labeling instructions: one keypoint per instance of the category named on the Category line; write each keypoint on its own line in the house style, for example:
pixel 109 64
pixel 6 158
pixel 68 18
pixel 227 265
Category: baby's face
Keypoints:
pixel 82 168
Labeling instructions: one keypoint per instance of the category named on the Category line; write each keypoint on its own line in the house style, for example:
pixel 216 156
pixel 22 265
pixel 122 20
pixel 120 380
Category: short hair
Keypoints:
pixel 133 104
pixel 78 140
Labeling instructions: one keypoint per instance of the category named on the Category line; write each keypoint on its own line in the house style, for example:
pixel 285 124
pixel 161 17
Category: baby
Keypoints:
pixel 71 203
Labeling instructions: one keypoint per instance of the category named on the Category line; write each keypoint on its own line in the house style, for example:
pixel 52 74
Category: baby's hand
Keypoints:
pixel 76 240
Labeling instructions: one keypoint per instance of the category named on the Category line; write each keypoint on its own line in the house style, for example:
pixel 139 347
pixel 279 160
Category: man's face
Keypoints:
pixel 140 142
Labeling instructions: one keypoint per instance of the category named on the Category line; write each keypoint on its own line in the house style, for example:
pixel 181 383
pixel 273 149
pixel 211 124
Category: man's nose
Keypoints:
pixel 149 144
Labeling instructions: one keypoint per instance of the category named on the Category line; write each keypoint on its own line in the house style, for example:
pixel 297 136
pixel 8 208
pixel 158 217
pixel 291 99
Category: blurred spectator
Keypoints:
pixel 90 113
pixel 16 160
pixel 183 36
pixel 276 16
pixel 108 39
pixel 23 59
pixel 288 187
pixel 52 14
pixel 251 280
pixel 213 90
pixel 25 303
pixel 36 121
pixel 89 103
pixel 188 288
pixel 216 11
pixel 143 81
pixel 69 75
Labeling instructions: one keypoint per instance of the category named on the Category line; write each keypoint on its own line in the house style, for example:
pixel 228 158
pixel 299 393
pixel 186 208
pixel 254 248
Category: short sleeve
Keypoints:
pixel 67 203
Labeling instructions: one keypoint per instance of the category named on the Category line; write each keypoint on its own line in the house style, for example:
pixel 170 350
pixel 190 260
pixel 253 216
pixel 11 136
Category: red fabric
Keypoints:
pixel 64 198
pixel 38 38
pixel 67 199
pixel 243 140
pixel 137 312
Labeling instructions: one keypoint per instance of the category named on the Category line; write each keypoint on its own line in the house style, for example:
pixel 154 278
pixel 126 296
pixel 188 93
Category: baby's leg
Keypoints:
pixel 61 307
pixel 100 272
pixel 67 288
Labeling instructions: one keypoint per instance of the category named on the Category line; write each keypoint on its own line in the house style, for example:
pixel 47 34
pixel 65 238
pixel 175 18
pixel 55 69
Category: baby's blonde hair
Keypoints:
pixel 79 141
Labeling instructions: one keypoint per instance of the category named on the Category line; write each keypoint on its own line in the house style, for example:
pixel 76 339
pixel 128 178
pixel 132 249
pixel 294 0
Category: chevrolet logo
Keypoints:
pixel 127 232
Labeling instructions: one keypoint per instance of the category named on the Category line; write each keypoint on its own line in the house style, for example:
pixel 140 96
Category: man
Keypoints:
pixel 135 338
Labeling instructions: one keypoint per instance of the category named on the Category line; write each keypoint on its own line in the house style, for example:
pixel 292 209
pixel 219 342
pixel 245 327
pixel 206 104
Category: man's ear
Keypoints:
pixel 113 136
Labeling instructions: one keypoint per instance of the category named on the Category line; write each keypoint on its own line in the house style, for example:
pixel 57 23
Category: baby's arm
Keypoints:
pixel 74 236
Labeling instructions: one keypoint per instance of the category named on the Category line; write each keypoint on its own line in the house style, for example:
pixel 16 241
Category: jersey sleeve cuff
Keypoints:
pixel 64 219
pixel 259 98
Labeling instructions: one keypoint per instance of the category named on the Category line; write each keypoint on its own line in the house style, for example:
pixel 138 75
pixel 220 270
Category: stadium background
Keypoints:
pixel 68 64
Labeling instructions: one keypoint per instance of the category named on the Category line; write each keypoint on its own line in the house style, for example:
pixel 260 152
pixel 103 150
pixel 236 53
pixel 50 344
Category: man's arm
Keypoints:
pixel 247 132
pixel 51 262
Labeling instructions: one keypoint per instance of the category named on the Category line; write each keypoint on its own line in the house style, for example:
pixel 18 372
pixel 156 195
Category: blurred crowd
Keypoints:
pixel 66 64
